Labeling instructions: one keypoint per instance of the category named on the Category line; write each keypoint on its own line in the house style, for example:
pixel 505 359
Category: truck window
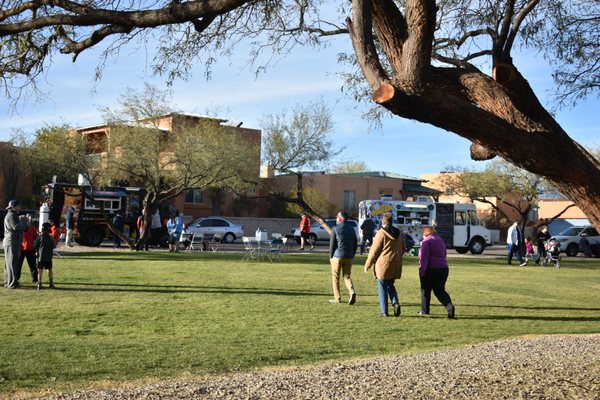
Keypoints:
pixel 473 220
pixel 460 218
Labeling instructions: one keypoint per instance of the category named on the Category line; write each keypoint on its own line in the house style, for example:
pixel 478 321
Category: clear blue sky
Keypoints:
pixel 402 146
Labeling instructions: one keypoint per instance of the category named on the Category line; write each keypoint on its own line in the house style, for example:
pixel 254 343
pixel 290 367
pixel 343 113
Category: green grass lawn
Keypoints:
pixel 128 316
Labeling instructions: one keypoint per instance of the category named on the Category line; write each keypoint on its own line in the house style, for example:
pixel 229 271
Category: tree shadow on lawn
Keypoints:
pixel 120 287
pixel 196 256
pixel 533 307
pixel 527 318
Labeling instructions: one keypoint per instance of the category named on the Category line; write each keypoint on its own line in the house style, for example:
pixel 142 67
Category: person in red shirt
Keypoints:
pixel 28 251
pixel 304 230
pixel 54 232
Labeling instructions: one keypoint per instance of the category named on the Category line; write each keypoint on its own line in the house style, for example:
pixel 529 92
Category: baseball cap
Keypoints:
pixel 13 203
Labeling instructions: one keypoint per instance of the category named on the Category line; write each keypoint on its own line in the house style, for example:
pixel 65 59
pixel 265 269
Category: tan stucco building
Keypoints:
pixel 194 203
pixel 346 190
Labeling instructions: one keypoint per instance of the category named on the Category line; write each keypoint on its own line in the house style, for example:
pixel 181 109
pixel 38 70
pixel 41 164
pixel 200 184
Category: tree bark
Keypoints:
pixel 504 117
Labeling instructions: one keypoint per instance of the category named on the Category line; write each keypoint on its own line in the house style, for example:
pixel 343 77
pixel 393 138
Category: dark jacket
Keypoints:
pixel 44 245
pixel 343 242
pixel 368 227
pixel 542 237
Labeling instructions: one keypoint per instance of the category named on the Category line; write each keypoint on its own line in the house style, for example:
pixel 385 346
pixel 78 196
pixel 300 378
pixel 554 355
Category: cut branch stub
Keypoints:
pixel 481 153
pixel 384 93
pixel 503 73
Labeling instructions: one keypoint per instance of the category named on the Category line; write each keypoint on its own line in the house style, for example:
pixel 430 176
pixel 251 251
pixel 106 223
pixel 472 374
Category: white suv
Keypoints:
pixel 569 238
pixel 317 232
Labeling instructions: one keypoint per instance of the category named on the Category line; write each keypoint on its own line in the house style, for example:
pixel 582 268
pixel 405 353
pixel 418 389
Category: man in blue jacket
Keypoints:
pixel 342 247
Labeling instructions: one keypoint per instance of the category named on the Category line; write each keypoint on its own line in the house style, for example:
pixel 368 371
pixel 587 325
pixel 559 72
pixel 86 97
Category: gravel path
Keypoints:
pixel 543 367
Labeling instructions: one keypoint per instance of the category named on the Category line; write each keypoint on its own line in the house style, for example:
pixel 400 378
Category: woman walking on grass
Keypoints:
pixel 386 253
pixel 433 271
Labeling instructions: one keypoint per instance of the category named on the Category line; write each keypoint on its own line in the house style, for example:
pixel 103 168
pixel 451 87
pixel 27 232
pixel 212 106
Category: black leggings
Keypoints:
pixel 434 279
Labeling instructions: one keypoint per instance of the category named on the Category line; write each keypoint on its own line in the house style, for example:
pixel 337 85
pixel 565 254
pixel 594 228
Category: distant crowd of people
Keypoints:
pixel 23 242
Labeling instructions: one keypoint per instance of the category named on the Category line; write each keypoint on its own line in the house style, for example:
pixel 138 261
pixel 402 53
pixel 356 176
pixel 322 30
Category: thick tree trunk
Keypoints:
pixel 500 117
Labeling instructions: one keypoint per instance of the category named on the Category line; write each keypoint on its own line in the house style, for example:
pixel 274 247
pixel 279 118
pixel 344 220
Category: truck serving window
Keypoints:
pixel 110 205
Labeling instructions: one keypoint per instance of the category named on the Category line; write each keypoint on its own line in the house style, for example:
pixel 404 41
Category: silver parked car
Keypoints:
pixel 317 232
pixel 216 226
pixel 569 238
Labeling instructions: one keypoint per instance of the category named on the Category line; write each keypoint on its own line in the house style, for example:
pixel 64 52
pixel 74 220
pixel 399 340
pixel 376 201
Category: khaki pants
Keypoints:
pixel 343 265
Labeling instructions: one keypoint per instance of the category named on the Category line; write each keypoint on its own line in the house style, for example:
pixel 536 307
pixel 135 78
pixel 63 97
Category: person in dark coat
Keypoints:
pixel 542 237
pixel 13 237
pixel 44 250
pixel 119 224
pixel 342 248
pixel 368 230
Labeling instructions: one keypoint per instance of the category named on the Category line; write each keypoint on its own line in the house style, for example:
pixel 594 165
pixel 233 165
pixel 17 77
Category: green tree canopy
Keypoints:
pixel 294 141
pixel 194 154
pixel 55 151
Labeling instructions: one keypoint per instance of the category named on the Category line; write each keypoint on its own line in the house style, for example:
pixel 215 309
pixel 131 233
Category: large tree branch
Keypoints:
pixel 416 54
pixel 364 46
pixel 112 21
pixel 515 28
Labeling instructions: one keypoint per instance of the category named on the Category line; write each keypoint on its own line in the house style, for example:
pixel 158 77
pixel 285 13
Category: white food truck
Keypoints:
pixel 456 223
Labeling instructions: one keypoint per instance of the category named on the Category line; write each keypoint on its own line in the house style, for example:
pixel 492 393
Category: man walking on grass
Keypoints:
pixel 342 248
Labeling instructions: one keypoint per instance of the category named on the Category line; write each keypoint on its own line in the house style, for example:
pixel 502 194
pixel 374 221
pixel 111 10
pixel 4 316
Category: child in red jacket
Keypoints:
pixel 28 251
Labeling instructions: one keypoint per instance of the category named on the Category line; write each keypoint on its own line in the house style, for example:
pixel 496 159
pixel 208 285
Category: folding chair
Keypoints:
pixel 274 251
pixel 196 240
pixel 250 250
pixel 215 242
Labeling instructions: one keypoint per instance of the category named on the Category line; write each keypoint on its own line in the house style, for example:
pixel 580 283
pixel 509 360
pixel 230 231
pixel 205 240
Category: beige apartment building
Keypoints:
pixel 194 203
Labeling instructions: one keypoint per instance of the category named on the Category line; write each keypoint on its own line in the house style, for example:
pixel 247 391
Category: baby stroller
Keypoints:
pixel 552 247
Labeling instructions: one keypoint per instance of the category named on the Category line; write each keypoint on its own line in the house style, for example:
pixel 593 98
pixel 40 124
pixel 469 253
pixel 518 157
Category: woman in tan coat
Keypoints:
pixel 386 253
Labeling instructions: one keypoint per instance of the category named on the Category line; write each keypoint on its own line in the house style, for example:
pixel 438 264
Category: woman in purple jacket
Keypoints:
pixel 433 271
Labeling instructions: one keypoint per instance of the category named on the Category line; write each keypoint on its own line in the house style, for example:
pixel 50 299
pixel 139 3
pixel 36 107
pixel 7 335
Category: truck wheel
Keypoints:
pixel 93 237
pixel 572 250
pixel 461 250
pixel 476 246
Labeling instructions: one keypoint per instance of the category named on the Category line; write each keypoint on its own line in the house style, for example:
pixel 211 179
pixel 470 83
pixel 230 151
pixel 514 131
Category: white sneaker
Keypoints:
pixel 524 264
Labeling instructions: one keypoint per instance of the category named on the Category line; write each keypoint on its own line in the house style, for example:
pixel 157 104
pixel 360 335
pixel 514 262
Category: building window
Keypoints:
pixel 349 200
pixel 195 196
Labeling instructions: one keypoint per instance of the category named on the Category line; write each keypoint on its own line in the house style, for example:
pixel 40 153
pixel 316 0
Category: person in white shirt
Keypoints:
pixel 515 240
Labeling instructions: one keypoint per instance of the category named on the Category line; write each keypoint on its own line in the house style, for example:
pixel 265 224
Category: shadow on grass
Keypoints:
pixel 528 318
pixel 308 259
pixel 533 307
pixel 119 287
